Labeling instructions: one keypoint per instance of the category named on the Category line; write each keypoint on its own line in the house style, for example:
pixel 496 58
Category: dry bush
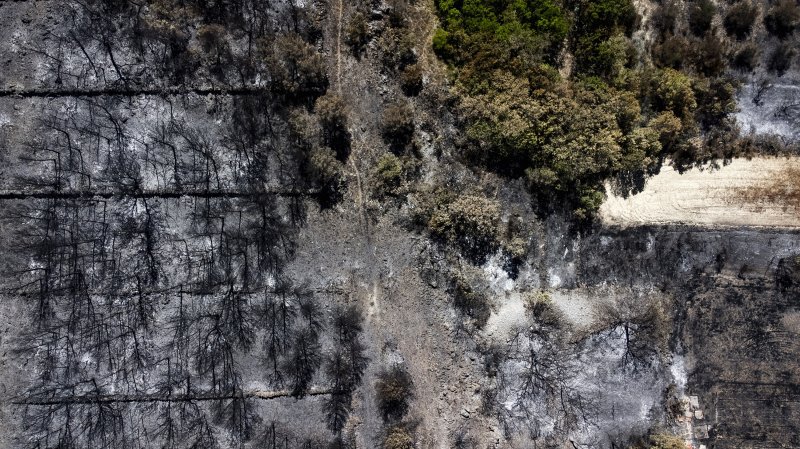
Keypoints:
pixel 411 80
pixel 398 438
pixel 393 390
pixel 665 18
pixel 701 14
pixel 471 223
pixel 783 189
pixel 781 20
pixel 398 125
pixel 781 59
pixel 746 58
pixel 674 52
pixel 356 35
pixel 470 302
pixel 739 20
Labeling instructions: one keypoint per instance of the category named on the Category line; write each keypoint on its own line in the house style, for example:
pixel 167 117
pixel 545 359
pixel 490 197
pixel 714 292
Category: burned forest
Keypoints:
pixel 399 224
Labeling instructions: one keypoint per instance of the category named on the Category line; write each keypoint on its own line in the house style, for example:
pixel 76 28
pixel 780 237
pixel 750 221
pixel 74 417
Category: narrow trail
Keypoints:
pixel 372 293
pixel 339 47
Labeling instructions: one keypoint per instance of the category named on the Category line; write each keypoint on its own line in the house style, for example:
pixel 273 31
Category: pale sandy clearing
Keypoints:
pixel 710 197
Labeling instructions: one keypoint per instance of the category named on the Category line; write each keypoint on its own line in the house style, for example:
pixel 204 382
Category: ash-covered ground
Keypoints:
pixel 201 248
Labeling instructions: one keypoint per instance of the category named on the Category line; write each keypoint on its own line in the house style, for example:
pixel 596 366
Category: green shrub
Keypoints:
pixel 505 33
pixel 781 20
pixel 612 56
pixel 356 35
pixel 666 441
pixel 470 223
pixel 332 112
pixel 669 128
pixel 392 174
pixel 701 14
pixel 716 99
pixel 739 19
pixel 596 22
pixel 674 93
pixel 388 174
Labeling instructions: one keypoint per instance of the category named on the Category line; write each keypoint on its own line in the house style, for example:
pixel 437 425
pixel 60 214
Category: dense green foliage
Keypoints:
pixel 614 116
pixel 481 34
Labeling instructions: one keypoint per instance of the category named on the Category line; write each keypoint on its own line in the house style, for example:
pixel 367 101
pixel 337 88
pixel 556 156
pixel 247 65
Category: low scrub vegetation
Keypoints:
pixel 393 391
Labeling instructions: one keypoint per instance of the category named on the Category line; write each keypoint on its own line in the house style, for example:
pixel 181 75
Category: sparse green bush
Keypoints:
pixel 391 175
pixel 356 35
pixel 781 20
pixel 470 222
pixel 326 172
pixel 298 71
pixel 332 112
pixel 739 19
pixel 701 14
pixel 542 311
pixel 211 37
pixel 304 129
pixel 397 12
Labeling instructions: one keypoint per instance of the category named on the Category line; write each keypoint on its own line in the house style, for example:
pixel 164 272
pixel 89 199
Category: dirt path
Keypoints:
pixel 339 47
pixel 711 197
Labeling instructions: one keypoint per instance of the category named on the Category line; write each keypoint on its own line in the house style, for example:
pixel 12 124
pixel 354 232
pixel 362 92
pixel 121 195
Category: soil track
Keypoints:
pixel 707 197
